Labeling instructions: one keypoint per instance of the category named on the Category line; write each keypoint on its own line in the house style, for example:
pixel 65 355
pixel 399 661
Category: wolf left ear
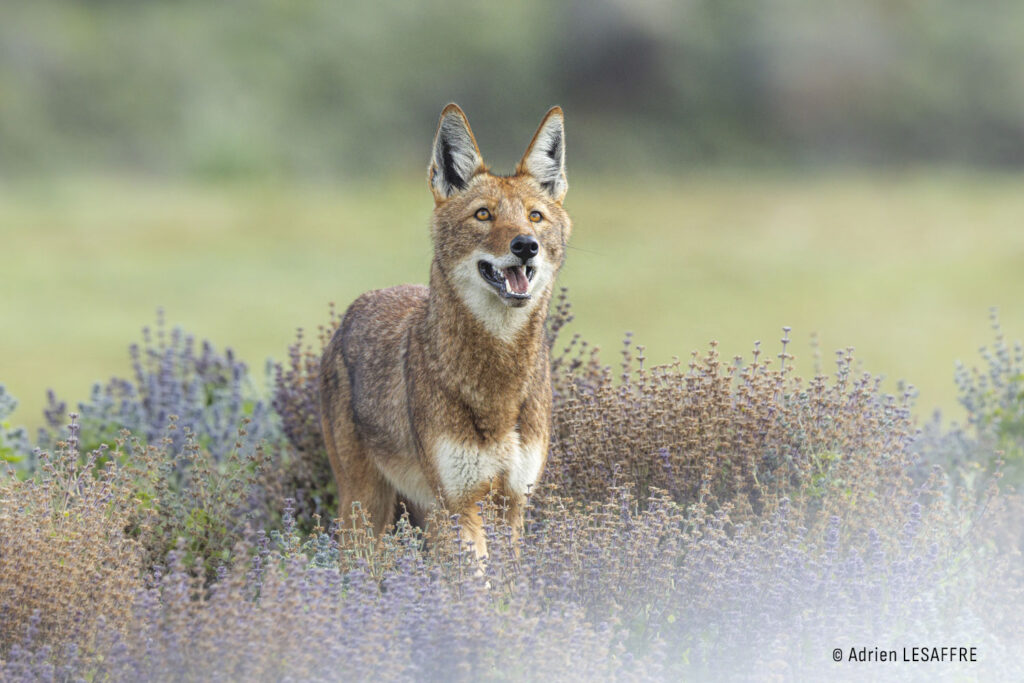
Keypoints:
pixel 545 157
pixel 455 158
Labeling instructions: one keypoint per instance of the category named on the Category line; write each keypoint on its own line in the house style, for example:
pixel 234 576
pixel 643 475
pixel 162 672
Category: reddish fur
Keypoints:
pixel 411 366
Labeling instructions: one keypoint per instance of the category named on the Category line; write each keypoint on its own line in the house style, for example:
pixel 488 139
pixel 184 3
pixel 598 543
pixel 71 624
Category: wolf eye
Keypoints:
pixel 482 214
pixel 536 216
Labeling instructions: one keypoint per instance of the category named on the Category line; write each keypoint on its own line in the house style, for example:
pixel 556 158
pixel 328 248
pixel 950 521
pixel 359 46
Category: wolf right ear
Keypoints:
pixel 545 157
pixel 456 158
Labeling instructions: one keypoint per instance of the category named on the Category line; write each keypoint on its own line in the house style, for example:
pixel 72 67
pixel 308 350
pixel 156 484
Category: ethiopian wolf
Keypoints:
pixel 442 394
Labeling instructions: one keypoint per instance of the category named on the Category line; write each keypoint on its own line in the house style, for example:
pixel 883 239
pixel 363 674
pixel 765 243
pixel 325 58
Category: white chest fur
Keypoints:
pixel 465 466
pixel 525 471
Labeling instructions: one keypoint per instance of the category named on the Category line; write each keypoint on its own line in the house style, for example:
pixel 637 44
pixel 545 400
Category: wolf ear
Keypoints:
pixel 545 157
pixel 455 158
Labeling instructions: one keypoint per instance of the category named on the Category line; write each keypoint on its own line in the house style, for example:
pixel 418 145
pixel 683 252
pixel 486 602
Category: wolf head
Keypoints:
pixel 499 240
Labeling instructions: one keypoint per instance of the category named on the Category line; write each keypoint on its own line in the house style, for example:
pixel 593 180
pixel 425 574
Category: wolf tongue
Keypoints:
pixel 516 279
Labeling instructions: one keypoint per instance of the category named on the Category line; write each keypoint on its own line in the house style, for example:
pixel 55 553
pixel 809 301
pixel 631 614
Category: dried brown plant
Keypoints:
pixel 69 564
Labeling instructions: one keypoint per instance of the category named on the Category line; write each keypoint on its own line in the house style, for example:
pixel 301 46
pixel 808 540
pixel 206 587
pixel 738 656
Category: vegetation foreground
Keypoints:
pixel 715 518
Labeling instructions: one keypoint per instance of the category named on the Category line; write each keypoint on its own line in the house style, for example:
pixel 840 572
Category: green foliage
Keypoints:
pixel 14 446
pixel 198 504
pixel 994 399
pixel 822 478
pixel 8 454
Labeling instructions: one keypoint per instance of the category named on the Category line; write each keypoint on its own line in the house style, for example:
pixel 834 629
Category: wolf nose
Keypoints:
pixel 525 247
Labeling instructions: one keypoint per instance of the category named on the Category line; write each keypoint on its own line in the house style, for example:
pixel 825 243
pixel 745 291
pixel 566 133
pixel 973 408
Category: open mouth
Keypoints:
pixel 511 283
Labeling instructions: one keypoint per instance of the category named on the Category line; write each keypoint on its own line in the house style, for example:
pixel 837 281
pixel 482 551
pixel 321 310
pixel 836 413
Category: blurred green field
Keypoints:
pixel 901 266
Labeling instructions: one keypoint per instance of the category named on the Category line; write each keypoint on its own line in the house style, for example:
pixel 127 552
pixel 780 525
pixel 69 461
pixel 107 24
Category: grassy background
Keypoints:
pixel 902 266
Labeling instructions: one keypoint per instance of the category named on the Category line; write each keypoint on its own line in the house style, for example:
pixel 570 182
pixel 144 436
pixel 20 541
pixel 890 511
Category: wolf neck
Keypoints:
pixel 491 372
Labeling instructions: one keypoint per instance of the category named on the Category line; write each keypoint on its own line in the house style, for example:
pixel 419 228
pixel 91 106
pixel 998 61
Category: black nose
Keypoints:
pixel 525 247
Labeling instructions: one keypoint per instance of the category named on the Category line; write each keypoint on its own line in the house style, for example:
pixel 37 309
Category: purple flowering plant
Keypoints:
pixel 710 520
